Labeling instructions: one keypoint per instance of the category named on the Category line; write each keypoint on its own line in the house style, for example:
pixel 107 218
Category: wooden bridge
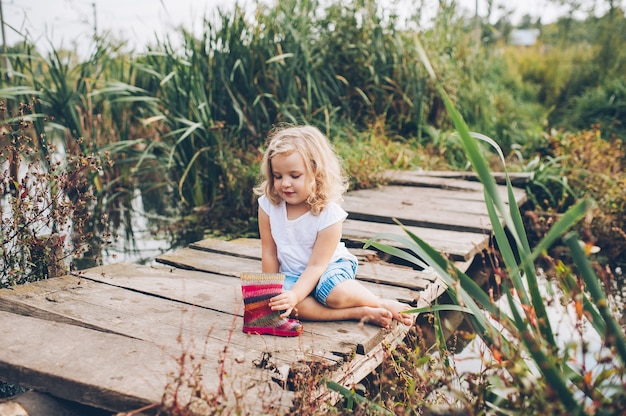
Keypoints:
pixel 125 336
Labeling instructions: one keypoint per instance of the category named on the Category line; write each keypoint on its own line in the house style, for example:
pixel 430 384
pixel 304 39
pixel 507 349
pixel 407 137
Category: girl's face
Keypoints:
pixel 291 180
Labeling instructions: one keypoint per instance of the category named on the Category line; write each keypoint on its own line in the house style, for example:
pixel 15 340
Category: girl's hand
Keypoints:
pixel 286 302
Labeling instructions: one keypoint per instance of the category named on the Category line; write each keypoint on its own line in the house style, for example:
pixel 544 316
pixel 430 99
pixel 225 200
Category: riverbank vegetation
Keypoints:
pixel 180 128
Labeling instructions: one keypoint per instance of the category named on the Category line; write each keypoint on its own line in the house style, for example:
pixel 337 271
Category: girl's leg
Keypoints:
pixel 350 300
pixel 351 293
pixel 310 309
pixel 339 297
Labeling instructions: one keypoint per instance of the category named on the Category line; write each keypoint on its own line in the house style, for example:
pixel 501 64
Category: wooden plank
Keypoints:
pixel 425 285
pixel 443 204
pixel 220 294
pixel 189 259
pixel 251 248
pixel 211 291
pixel 456 244
pixel 111 309
pixel 461 201
pixel 410 210
pixel 518 179
pixel 186 258
pixel 363 365
pixel 102 370
pixel 415 179
pixel 424 197
pixel 241 247
pixel 374 271
pixel 181 328
pixel 110 371
pixel 162 322
pixel 223 294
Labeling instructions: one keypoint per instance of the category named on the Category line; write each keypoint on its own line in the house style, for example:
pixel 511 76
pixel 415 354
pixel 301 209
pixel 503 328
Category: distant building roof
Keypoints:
pixel 524 37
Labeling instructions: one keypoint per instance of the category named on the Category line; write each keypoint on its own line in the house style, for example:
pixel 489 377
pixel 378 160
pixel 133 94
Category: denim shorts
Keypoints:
pixel 336 273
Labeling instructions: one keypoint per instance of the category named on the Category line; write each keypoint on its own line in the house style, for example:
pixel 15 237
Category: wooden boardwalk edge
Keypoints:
pixel 50 365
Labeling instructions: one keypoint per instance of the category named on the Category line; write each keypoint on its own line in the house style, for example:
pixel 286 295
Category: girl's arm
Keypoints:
pixel 325 245
pixel 269 256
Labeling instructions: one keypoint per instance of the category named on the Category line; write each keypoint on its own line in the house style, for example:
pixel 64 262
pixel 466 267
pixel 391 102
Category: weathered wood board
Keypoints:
pixel 445 209
pixel 115 372
pixel 441 178
pixel 209 262
pixel 172 311
pixel 101 369
pixel 370 269
pixel 438 208
pixel 457 245
pixel 217 293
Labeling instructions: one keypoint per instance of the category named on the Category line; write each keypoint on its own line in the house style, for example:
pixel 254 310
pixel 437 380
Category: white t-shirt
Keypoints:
pixel 295 238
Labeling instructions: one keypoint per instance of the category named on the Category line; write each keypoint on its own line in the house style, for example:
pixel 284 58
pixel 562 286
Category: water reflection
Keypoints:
pixel 142 236
pixel 584 344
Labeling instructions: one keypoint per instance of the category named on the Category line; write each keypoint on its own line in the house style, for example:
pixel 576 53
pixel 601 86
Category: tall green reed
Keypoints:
pixel 524 325
pixel 200 119
pixel 83 109
pixel 220 93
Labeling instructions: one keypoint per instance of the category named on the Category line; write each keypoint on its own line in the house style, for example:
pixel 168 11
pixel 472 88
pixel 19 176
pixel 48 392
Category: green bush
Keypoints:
pixel 596 168
pixel 604 107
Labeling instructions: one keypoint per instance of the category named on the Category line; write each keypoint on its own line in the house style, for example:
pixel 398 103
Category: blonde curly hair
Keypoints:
pixel 320 160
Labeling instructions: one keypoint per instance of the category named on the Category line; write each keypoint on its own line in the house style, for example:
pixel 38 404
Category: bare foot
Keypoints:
pixel 378 316
pixel 397 308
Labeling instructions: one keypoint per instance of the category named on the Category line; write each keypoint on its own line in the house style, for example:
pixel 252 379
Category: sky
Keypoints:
pixel 70 23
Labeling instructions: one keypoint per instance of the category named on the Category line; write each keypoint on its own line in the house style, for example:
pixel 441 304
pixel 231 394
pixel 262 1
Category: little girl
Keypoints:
pixel 300 223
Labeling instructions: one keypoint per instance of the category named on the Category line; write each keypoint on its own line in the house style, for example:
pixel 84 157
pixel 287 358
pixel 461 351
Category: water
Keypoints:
pixel 147 242
pixel 585 347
